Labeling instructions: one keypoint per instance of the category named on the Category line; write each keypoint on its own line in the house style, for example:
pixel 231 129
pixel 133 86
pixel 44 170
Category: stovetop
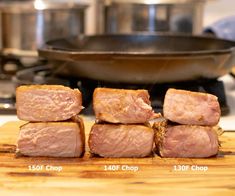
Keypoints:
pixel 224 89
pixel 7 97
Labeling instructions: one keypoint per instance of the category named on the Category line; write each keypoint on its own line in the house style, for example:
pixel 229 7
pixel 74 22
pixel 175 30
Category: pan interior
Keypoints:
pixel 147 44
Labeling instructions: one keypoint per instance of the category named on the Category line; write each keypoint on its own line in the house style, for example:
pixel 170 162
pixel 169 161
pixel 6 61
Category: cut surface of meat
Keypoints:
pixel 109 140
pixel 52 139
pixel 192 108
pixel 47 103
pixel 122 106
pixel 189 141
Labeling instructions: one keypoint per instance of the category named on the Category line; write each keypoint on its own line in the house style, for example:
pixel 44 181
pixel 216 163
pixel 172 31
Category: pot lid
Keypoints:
pixel 154 1
pixel 19 6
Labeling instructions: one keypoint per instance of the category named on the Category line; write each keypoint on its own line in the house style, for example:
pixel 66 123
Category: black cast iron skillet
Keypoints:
pixel 141 58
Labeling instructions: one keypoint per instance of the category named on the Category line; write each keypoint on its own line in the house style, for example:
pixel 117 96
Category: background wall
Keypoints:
pixel 217 9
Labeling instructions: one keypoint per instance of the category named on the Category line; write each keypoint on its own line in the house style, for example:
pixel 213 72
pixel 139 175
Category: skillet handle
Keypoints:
pixel 55 54
pixel 231 61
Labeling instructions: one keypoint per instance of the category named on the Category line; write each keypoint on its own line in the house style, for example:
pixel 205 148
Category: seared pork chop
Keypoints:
pixel 189 141
pixel 52 139
pixel 47 103
pixel 191 108
pixel 109 140
pixel 122 106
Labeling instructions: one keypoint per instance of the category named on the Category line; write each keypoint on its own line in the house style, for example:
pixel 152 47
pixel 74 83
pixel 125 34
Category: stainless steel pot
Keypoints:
pixel 127 16
pixel 27 25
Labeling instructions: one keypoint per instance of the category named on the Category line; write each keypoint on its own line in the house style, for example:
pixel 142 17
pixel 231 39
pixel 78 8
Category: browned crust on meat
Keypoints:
pixel 159 134
pixel 113 90
pixel 127 91
pixel 160 130
pixel 80 123
pixel 197 94
pixel 46 87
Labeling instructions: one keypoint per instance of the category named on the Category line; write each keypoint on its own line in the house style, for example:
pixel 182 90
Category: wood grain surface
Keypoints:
pixel 87 175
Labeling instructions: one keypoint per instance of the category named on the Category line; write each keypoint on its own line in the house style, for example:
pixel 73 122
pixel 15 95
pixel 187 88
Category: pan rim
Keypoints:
pixel 49 48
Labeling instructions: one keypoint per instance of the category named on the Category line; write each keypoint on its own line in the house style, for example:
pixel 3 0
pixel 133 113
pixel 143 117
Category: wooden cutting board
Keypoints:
pixel 106 176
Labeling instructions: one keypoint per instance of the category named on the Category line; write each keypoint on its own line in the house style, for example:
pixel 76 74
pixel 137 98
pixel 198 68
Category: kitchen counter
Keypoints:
pixel 114 176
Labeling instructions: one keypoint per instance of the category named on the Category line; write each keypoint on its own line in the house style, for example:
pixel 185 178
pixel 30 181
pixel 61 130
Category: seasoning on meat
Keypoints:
pixel 189 141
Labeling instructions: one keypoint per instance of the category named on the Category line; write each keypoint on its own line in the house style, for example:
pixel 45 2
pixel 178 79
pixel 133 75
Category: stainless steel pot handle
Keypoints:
pixel 231 60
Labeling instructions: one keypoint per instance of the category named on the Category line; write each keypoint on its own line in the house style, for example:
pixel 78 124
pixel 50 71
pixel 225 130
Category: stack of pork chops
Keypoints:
pixel 190 129
pixel 54 129
pixel 121 128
